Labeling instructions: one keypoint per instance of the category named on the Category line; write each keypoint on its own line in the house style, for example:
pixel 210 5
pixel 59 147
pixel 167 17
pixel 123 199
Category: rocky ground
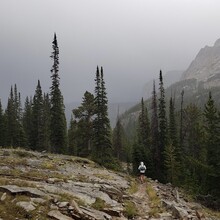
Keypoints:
pixel 43 186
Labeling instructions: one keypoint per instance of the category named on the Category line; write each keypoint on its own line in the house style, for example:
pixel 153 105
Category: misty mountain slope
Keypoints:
pixel 201 77
pixel 206 66
pixel 169 78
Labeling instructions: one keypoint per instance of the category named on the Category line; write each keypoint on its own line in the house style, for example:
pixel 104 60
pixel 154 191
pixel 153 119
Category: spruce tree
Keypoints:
pixel 119 142
pixel 212 128
pixel 144 140
pixel 2 126
pixel 83 115
pixel 162 124
pixel 194 157
pixel 46 125
pixel 155 134
pixel 37 120
pixel 27 121
pixel 102 149
pixel 14 130
pixel 58 136
pixel 72 137
pixel 172 154
pixel 181 121
pixel 172 128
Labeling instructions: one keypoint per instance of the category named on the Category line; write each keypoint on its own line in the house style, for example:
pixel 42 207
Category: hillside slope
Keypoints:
pixel 201 77
pixel 45 186
pixel 206 66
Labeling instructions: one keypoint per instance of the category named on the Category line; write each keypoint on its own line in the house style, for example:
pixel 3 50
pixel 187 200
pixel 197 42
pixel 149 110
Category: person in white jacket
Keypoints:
pixel 142 170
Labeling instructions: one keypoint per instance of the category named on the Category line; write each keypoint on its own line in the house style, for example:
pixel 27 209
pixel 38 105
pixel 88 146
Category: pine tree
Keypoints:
pixel 14 130
pixel 172 154
pixel 37 120
pixel 155 134
pixel 172 128
pixel 72 137
pixel 181 121
pixel 102 151
pixel 194 163
pixel 212 128
pixel 2 127
pixel 27 121
pixel 83 116
pixel 46 125
pixel 119 142
pixel 172 163
pixel 58 119
pixel 144 139
pixel 162 124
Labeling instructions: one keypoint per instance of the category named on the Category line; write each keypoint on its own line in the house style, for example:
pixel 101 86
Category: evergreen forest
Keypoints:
pixel 181 147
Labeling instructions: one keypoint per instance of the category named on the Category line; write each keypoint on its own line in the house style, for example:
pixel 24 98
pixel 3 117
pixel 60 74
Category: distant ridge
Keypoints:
pixel 205 67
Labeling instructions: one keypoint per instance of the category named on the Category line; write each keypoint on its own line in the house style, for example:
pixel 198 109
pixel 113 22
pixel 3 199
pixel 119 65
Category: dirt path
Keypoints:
pixel 142 201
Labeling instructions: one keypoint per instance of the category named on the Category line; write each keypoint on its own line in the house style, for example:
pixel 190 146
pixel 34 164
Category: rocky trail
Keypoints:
pixel 141 200
pixel 42 186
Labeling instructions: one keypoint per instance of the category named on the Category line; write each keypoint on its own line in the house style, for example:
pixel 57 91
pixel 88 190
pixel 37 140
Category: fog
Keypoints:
pixel 131 39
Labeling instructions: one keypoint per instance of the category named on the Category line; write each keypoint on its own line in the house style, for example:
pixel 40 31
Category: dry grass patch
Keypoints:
pixel 13 161
pixel 10 211
pixel 130 210
pixel 49 165
pixel 104 176
pixel 155 203
pixel 133 187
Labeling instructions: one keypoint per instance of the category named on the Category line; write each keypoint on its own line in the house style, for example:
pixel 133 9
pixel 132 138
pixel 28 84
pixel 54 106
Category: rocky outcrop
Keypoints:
pixel 40 186
pixel 206 66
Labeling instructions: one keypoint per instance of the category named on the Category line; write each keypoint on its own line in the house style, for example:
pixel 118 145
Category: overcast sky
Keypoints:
pixel 131 39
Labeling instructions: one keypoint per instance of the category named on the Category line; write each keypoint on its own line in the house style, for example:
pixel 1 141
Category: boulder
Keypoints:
pixel 28 206
pixel 13 189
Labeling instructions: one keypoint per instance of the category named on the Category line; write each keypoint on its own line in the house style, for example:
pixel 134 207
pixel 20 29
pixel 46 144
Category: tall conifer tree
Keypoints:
pixel 46 125
pixel 212 128
pixel 155 134
pixel 144 140
pixel 102 152
pixel 83 116
pixel 37 120
pixel 2 127
pixel 162 123
pixel 58 119
pixel 27 121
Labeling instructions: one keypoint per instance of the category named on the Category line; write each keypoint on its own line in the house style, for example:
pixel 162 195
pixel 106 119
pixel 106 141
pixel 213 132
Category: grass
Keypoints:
pixel 21 183
pixel 10 211
pixel 130 210
pixel 49 165
pixel 99 204
pixel 133 187
pixel 68 197
pixel 23 153
pixel 13 161
pixel 103 176
pixel 155 203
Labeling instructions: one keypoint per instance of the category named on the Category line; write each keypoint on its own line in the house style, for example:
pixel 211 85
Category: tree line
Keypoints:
pixel 41 125
pixel 181 147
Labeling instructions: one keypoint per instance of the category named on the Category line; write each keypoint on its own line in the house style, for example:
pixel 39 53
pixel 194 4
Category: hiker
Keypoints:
pixel 142 169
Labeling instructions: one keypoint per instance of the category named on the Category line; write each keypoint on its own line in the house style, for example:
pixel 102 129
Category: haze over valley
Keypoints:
pixel 131 40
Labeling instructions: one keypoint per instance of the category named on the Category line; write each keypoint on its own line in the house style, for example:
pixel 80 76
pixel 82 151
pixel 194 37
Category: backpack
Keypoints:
pixel 142 168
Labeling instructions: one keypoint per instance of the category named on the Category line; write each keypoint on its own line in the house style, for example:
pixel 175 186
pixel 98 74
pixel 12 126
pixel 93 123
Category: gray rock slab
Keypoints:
pixel 28 206
pixel 13 189
pixel 58 215
pixel 95 214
